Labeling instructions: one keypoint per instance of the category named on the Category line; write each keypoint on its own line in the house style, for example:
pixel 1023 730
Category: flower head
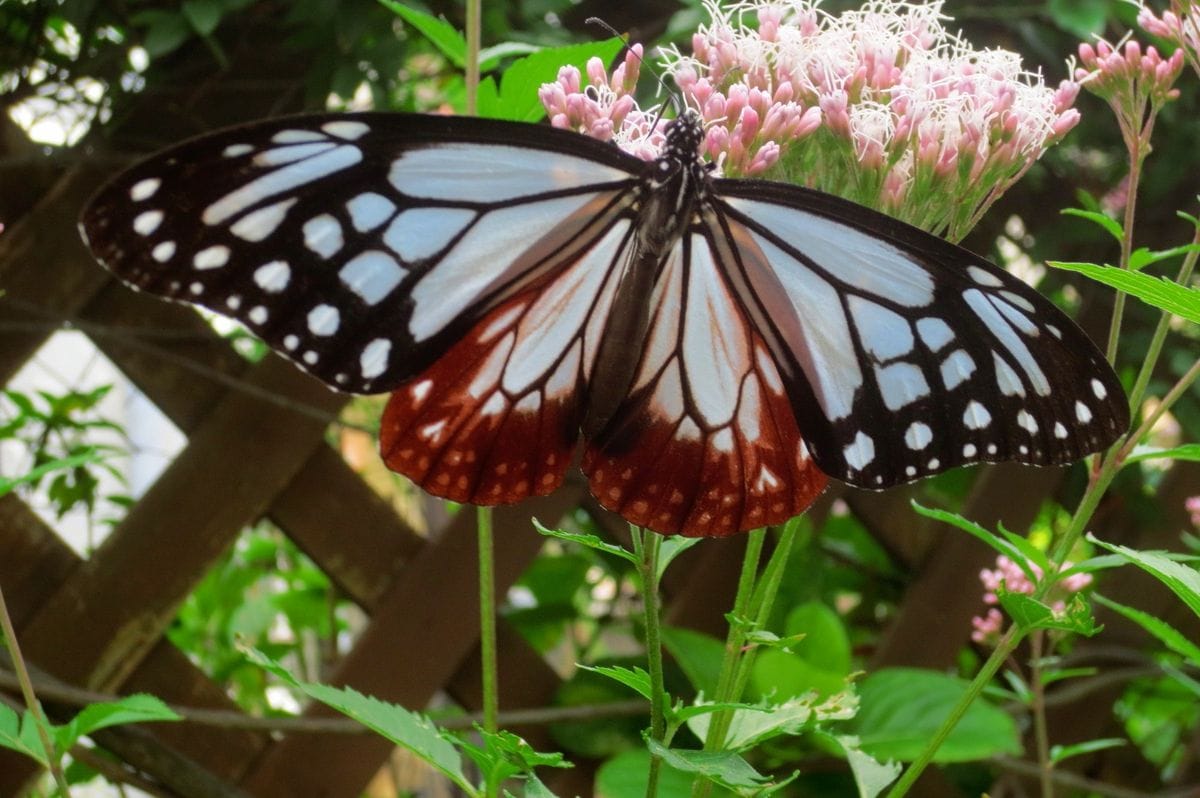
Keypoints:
pixel 1135 82
pixel 1179 25
pixel 880 105
pixel 1008 577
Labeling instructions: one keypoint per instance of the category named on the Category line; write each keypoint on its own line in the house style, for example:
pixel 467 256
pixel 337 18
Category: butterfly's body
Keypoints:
pixel 721 344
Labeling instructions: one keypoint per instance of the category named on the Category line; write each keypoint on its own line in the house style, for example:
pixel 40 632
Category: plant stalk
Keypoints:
pixel 646 545
pixel 487 619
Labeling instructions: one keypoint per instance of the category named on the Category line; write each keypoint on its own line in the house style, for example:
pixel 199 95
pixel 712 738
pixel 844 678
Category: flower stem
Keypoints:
pixel 1040 732
pixel 471 78
pixel 31 702
pixel 487 618
pixel 646 545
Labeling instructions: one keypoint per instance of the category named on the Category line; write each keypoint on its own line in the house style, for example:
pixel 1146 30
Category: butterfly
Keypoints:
pixel 721 346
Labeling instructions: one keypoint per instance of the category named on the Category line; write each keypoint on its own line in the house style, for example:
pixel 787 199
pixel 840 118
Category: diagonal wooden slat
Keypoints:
pixel 423 628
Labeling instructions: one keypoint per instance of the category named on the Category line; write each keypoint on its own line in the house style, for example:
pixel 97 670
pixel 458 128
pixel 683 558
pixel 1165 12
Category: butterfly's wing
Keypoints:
pixel 706 443
pixel 362 246
pixel 904 355
pixel 466 264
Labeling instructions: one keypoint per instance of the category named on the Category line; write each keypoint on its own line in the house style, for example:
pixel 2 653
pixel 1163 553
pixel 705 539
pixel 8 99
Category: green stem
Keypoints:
pixel 735 641
pixel 487 618
pixel 1040 731
pixel 31 702
pixel 474 14
pixel 1136 156
pixel 646 545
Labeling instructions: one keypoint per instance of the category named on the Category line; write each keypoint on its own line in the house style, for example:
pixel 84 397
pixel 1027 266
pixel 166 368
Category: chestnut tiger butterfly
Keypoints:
pixel 721 346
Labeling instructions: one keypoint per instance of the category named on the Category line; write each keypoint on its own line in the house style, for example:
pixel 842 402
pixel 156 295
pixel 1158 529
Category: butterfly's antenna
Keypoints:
pixel 662 83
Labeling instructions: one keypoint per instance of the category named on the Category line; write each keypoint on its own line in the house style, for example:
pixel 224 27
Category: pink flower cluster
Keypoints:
pixel 1192 505
pixel 1179 25
pixel 880 105
pixel 1008 577
pixel 1129 76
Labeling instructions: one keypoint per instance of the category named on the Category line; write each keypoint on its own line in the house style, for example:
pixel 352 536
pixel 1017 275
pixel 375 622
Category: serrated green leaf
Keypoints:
pixel 626 774
pixel 490 57
pixel 1188 451
pixel 1142 257
pixel 1183 580
pixel 975 530
pixel 138 708
pixel 202 15
pixel 750 726
pixel 870 775
pixel 19 733
pixel 720 767
pixel 409 730
pixel 1030 614
pixel 1166 634
pixel 584 539
pixel 444 36
pixel 900 709
pixel 1058 753
pixel 634 678
pixel 1111 225
pixel 1158 292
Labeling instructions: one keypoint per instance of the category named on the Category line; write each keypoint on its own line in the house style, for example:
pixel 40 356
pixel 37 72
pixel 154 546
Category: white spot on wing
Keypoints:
pixel 969 450
pixel 348 129
pixel 211 257
pixel 278 156
pixel 234 150
pixel 901 384
pixel 163 252
pixel 323 235
pixel 420 232
pixel 368 210
pixel 976 416
pixel 1006 379
pixel 280 180
pixel 715 349
pixel 1082 412
pixel 296 136
pixel 147 222
pixel 1098 389
pixel 273 277
pixel 883 333
pixel 323 320
pixel 258 314
pixel 1027 422
pixel 144 189
pixel 257 225
pixel 1007 336
pixel 984 277
pixel 860 453
pixel 489 173
pixel 918 436
pixel 1060 431
pixel 374 358
pixel 372 275
pixel 956 369
pixel 934 332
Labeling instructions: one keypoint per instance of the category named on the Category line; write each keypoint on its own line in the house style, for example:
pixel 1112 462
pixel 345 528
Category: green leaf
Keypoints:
pixel 1029 614
pixel 165 32
pixel 1156 291
pixel 1166 634
pixel 671 547
pixel 1142 257
pixel 900 709
pixel 519 84
pixel 1189 451
pixel 720 767
pixel 19 733
pixel 590 541
pixel 138 708
pixel 625 776
pixel 825 643
pixel 409 730
pixel 1029 552
pixel 490 57
pixel 1081 18
pixel 1107 222
pixel 1181 579
pixel 999 544
pixel 870 775
pixel 634 678
pixel 444 36
pixel 698 655
pixel 74 461
pixel 1060 752
pixel 203 15
pixel 753 725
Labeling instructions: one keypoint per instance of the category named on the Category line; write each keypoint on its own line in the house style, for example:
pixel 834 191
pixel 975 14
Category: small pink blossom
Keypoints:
pixel 1134 83
pixel 1192 504
pixel 1179 25
pixel 1009 577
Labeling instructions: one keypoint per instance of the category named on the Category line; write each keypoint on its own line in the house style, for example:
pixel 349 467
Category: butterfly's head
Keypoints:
pixel 684 135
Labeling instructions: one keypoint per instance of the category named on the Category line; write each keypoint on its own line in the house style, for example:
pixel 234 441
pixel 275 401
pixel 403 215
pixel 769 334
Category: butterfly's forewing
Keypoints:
pixel 706 443
pixel 363 246
pixel 905 355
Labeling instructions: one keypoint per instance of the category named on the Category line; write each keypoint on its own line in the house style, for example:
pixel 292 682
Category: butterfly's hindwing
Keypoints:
pixel 906 355
pixel 354 243
pixel 706 442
